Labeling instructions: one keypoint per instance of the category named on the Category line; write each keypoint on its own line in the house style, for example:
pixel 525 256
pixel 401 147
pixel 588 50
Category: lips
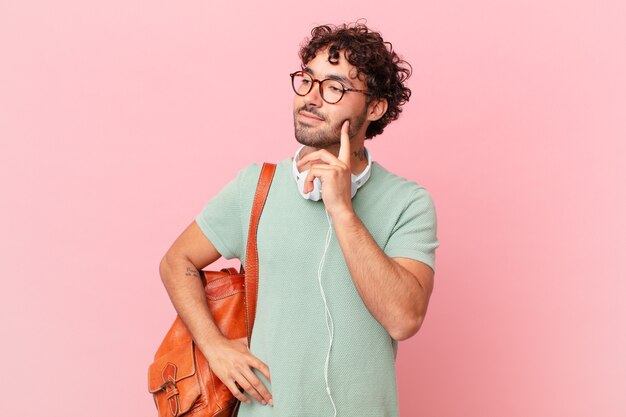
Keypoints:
pixel 310 115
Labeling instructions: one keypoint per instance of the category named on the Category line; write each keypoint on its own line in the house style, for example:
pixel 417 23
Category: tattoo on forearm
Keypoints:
pixel 192 272
pixel 359 153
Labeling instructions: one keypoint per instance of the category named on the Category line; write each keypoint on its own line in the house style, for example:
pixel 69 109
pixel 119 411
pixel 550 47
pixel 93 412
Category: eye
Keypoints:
pixel 335 89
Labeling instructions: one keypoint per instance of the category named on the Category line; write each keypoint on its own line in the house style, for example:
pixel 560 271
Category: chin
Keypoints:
pixel 315 141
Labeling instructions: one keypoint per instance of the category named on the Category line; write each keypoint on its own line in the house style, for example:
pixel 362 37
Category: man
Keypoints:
pixel 343 278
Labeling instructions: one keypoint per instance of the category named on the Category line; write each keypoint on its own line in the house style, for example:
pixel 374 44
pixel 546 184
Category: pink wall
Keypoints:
pixel 119 119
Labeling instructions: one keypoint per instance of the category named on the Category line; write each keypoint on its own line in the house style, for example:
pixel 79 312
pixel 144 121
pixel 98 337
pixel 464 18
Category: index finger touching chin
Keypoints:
pixel 344 150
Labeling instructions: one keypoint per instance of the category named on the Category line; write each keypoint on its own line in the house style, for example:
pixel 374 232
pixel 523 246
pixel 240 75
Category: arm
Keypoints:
pixel 230 360
pixel 396 291
pixel 178 269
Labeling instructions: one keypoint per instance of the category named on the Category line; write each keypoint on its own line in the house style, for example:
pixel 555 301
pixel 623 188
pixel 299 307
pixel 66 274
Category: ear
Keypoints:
pixel 377 109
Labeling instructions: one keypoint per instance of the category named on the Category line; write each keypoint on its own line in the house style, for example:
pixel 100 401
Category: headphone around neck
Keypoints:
pixel 316 194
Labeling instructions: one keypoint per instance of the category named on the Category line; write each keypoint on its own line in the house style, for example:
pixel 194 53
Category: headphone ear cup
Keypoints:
pixel 353 188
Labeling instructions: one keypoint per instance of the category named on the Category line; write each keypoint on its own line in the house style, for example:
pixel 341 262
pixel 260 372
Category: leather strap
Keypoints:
pixel 169 386
pixel 252 255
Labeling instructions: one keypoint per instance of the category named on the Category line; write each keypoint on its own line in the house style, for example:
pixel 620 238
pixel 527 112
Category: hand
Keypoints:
pixel 231 362
pixel 335 174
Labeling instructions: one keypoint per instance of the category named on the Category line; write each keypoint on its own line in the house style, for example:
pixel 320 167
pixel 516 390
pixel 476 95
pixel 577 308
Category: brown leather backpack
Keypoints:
pixel 180 378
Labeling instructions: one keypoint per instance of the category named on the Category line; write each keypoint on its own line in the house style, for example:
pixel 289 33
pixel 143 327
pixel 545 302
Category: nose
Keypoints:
pixel 314 98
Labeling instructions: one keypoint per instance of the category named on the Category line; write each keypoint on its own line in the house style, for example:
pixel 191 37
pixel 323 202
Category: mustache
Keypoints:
pixel 312 110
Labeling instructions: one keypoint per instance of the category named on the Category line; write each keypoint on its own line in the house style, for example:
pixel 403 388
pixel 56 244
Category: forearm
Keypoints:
pixel 184 287
pixel 390 292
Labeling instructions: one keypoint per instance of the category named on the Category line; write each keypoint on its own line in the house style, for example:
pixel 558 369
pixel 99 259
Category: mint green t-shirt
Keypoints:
pixel 290 333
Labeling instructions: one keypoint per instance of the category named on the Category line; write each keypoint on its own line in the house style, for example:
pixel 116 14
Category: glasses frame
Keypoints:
pixel 321 90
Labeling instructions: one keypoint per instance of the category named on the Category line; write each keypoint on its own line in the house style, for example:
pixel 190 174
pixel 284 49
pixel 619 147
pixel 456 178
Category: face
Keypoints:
pixel 318 123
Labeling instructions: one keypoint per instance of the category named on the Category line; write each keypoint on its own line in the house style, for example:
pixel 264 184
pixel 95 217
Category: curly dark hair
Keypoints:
pixel 384 71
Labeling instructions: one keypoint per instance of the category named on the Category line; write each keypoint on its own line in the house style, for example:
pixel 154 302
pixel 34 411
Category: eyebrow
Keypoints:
pixel 336 77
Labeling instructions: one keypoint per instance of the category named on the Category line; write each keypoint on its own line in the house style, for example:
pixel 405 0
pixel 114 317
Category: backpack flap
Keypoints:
pixel 173 381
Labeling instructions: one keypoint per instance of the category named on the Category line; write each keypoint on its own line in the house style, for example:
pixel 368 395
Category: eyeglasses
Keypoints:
pixel 331 90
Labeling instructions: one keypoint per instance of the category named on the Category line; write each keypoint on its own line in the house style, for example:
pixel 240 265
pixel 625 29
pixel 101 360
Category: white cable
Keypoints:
pixel 331 327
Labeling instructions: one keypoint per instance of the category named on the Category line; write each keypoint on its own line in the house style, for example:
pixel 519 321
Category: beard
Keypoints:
pixel 328 133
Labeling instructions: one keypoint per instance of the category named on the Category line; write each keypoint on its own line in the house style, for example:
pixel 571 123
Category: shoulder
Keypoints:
pixel 393 186
pixel 252 171
pixel 247 176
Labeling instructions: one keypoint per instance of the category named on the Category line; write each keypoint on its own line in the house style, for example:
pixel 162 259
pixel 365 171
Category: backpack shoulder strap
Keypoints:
pixel 252 256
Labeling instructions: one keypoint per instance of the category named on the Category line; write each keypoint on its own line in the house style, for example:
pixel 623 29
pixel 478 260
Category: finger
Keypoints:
pixel 261 393
pixel 321 171
pixel 300 164
pixel 262 366
pixel 318 171
pixel 234 388
pixel 322 155
pixel 247 385
pixel 344 147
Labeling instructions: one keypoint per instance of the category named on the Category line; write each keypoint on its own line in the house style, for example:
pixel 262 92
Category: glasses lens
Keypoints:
pixel 332 91
pixel 301 83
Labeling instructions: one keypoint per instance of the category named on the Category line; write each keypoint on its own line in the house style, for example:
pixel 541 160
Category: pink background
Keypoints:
pixel 119 119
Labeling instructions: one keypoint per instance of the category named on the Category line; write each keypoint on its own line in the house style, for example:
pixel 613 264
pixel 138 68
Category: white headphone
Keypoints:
pixel 316 194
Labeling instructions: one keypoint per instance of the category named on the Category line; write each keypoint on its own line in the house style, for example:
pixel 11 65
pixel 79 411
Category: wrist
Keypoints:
pixel 343 216
pixel 209 348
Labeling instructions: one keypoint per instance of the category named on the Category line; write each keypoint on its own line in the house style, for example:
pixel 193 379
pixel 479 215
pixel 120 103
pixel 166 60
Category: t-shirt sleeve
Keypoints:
pixel 415 233
pixel 220 219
